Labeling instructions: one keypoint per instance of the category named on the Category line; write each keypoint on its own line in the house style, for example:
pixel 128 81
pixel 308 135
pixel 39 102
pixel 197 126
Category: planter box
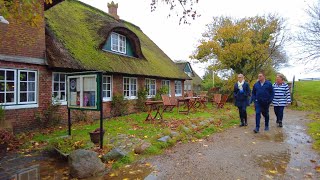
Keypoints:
pixel 95 137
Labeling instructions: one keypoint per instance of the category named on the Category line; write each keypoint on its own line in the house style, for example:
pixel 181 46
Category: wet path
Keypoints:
pixel 238 153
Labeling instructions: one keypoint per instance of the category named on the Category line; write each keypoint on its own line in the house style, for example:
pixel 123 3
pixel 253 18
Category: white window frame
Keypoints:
pixel 131 79
pixel 15 85
pixel 148 85
pixel 178 84
pixel 121 43
pixel 106 90
pixel 17 104
pixel 166 83
pixel 61 101
pixel 35 88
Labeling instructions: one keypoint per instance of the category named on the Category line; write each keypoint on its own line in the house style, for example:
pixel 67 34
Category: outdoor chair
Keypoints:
pixel 223 101
pixel 203 98
pixel 216 98
pixel 168 103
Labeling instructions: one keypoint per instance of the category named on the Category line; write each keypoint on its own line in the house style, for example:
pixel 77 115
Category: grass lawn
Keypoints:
pixel 307 95
pixel 189 127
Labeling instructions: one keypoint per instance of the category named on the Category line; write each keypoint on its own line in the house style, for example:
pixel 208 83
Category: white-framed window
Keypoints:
pixel 27 88
pixel 166 83
pixel 7 86
pixel 107 88
pixel 59 81
pixel 130 87
pixel 178 88
pixel 118 43
pixel 150 85
pixel 18 88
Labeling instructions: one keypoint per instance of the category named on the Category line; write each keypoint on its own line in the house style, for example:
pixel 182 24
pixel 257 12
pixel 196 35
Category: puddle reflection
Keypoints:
pixel 275 164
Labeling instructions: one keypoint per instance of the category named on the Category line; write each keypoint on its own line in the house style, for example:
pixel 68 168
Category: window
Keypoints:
pixel 118 43
pixel 27 86
pixel 107 88
pixel 178 88
pixel 166 83
pixel 59 86
pixel 130 87
pixel 7 86
pixel 18 87
pixel 150 87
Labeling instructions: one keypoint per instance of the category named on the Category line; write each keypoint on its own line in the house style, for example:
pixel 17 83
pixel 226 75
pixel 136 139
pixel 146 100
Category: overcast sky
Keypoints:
pixel 179 41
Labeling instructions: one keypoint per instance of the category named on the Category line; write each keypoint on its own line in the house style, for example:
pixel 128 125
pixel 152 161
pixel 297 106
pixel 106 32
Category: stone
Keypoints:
pixel 164 139
pixel 140 149
pixel 114 154
pixel 174 134
pixel 185 129
pixel 204 123
pixel 85 164
pixel 299 104
pixel 194 126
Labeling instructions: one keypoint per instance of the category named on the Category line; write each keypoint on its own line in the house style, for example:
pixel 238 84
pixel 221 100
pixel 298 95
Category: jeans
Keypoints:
pixel 242 113
pixel 278 110
pixel 264 110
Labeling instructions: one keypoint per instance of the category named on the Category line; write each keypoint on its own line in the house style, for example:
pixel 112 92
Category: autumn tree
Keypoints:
pixel 309 36
pixel 243 45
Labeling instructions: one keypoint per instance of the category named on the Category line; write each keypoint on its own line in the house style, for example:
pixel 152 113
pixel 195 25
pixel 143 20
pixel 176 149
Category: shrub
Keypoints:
pixel 50 116
pixel 119 106
pixel 161 91
pixel 142 97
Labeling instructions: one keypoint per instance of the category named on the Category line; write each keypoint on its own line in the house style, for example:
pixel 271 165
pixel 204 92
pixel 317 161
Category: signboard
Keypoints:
pixel 84 91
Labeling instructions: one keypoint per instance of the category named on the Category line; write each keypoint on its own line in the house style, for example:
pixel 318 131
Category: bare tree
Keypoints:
pixel 309 37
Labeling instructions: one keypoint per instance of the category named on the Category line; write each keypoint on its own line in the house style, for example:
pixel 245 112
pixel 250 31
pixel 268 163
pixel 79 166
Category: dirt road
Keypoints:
pixel 238 153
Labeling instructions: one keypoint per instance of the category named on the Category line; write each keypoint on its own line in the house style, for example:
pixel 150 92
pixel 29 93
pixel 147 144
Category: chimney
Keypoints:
pixel 113 10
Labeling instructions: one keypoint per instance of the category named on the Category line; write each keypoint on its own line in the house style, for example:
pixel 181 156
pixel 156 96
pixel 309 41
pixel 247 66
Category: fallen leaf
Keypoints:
pixel 253 142
pixel 273 171
pixel 148 164
pixel 125 179
pixel 317 168
pixel 112 175
pixel 205 145
pixel 145 136
pixel 313 161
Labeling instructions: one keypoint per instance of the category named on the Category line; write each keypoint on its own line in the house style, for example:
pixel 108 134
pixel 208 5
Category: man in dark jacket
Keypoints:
pixel 262 95
pixel 241 94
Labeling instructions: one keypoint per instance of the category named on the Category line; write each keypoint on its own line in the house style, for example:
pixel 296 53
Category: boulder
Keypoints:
pixel 114 154
pixel 164 139
pixel 141 148
pixel 85 164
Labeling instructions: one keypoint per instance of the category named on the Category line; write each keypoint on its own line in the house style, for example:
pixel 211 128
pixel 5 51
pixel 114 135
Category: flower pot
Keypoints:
pixel 95 136
pixel 3 149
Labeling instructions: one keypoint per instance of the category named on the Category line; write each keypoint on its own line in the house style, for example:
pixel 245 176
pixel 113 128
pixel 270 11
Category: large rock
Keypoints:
pixel 85 164
pixel 114 154
pixel 142 148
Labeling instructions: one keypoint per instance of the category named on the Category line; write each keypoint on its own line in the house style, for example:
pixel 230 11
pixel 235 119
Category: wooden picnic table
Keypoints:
pixel 190 103
pixel 151 105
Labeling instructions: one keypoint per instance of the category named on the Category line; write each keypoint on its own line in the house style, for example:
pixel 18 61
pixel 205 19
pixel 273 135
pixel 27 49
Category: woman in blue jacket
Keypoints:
pixel 281 97
pixel 241 94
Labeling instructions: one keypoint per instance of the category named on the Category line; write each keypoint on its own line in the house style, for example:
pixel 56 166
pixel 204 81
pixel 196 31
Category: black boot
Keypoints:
pixel 280 124
pixel 242 123
pixel 246 121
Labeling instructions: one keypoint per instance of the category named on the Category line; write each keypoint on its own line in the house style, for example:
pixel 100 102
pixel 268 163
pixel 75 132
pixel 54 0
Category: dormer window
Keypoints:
pixel 118 43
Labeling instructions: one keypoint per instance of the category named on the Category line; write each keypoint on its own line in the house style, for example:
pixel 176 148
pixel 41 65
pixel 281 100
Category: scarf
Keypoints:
pixel 240 84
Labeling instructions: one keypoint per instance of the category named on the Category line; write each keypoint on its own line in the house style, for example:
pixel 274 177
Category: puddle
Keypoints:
pixel 274 136
pixel 53 169
pixel 275 165
pixel 135 171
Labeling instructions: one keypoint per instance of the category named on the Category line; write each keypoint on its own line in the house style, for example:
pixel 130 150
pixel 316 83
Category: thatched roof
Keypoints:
pixel 196 80
pixel 76 32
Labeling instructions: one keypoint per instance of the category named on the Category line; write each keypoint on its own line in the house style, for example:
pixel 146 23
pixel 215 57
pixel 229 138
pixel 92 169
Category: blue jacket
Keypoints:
pixel 241 98
pixel 263 95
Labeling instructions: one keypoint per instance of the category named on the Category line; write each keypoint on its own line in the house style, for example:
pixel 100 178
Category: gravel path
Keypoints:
pixel 238 153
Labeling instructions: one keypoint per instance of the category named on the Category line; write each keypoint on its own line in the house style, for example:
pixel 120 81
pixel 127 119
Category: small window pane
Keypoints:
pixel 23 76
pixel 2 85
pixel 63 96
pixel 62 77
pixel 104 86
pixel 2 75
pixel 31 96
pixel 56 77
pixel 108 94
pixel 104 94
pixel 62 86
pixel 31 86
pixel 56 87
pixel 55 95
pixel 10 86
pixel 10 75
pixel 23 86
pixel 104 80
pixel 23 97
pixel 31 76
pixel 10 97
pixel 108 86
pixel 1 97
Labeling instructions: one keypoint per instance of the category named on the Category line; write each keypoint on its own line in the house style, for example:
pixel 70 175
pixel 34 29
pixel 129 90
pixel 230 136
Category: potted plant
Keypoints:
pixel 95 135
pixel 5 138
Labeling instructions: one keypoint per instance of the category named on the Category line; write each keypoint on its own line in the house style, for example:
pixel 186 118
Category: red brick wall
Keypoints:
pixel 22 39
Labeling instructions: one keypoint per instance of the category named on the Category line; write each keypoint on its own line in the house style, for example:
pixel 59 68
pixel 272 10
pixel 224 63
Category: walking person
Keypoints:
pixel 241 94
pixel 262 95
pixel 281 97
